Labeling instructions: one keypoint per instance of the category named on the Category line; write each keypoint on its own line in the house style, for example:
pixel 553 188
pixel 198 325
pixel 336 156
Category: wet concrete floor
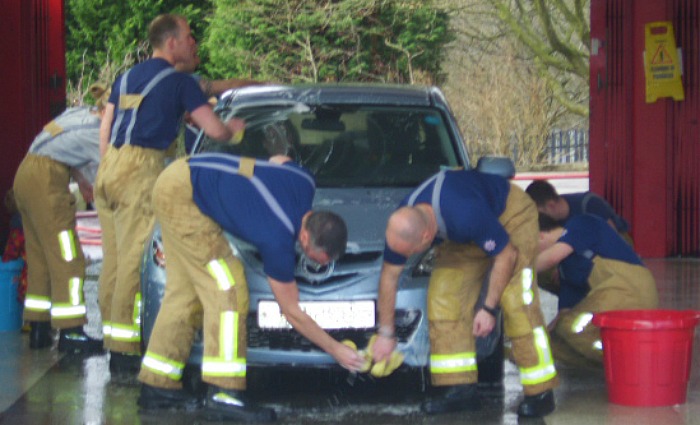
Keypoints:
pixel 45 387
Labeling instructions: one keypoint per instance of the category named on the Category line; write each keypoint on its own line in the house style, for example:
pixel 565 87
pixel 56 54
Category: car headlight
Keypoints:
pixel 425 266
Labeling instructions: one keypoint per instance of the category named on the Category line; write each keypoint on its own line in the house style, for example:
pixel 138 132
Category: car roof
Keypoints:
pixel 342 93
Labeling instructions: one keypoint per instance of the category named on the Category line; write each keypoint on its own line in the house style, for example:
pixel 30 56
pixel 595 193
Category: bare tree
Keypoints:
pixel 554 35
pixel 502 106
pixel 507 98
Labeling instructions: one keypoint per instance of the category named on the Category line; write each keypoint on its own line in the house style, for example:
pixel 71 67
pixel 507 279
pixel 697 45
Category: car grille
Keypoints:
pixel 289 339
pixel 349 262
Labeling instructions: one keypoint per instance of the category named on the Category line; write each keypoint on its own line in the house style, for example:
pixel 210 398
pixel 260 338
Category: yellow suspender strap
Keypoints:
pixel 246 167
pixel 53 129
pixel 130 101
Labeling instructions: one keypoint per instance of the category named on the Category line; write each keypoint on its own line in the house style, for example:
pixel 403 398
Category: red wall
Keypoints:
pixel 644 157
pixel 32 82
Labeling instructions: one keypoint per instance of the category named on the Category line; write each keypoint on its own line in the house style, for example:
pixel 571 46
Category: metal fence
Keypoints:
pixel 567 146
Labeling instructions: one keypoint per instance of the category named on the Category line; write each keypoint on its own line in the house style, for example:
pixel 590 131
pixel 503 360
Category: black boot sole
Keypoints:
pixel 84 347
pixel 438 408
pixel 38 344
pixel 186 405
pixel 124 364
pixel 215 413
pixel 538 408
pixel 40 335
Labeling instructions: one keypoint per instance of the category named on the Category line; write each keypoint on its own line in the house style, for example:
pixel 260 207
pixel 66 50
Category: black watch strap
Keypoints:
pixel 490 310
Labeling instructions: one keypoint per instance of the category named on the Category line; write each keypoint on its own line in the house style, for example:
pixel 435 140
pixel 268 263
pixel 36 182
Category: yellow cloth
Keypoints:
pixel 380 369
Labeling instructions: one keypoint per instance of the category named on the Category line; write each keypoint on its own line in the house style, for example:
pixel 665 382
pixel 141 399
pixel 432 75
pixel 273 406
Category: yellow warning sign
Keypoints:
pixel 662 66
pixel 662 57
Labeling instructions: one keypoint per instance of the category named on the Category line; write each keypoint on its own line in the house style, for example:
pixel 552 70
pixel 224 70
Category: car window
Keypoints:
pixel 347 146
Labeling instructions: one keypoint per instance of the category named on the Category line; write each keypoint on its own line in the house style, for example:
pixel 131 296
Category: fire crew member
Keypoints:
pixel 56 265
pixel 487 226
pixel 266 203
pixel 142 119
pixel 212 90
pixel 598 271
pixel 563 207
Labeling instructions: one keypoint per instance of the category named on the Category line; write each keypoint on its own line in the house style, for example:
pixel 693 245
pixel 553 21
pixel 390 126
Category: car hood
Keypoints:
pixel 365 211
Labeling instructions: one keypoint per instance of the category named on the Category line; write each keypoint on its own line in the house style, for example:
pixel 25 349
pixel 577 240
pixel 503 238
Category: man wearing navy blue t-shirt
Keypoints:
pixel 486 230
pixel 265 203
pixel 562 207
pixel 598 271
pixel 141 121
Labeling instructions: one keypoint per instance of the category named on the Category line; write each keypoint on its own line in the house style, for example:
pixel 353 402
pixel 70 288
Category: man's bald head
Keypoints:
pixel 405 230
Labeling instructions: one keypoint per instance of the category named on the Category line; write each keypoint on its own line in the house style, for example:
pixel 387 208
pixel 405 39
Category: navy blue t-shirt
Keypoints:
pixel 590 203
pixel 160 113
pixel 265 210
pixel 467 205
pixel 589 236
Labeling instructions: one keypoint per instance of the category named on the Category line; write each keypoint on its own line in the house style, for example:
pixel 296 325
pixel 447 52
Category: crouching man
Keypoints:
pixel 598 271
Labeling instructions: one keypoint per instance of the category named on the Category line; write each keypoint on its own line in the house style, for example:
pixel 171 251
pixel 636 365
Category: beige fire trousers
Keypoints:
pixel 615 285
pixel 55 261
pixel 206 287
pixel 454 289
pixel 123 189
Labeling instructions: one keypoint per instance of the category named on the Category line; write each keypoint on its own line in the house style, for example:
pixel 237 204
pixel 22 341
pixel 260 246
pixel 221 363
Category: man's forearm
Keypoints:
pixel 388 283
pixel 501 273
pixel 306 326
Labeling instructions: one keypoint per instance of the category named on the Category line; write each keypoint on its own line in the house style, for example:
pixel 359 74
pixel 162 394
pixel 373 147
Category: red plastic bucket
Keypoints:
pixel 647 355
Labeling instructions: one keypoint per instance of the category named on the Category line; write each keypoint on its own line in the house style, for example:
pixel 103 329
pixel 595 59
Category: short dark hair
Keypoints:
pixel 328 232
pixel 547 223
pixel 542 191
pixel 162 27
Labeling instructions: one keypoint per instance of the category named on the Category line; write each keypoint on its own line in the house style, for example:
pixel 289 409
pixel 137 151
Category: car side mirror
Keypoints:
pixel 499 165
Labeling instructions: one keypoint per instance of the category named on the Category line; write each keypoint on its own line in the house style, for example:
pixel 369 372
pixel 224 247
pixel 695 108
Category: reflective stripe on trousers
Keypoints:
pixel 128 332
pixel 162 366
pixel 37 303
pixel 68 244
pixel 544 370
pixel 453 363
pixel 75 308
pixel 227 364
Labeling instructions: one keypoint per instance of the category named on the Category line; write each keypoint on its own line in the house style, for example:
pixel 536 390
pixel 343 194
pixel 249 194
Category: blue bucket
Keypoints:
pixel 10 307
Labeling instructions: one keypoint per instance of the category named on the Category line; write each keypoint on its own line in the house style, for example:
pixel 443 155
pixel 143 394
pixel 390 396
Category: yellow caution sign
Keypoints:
pixel 662 66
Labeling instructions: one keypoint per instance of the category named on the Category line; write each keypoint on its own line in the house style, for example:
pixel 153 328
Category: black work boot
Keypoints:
pixel 223 404
pixel 40 335
pixel 123 363
pixel 535 406
pixel 152 398
pixel 75 340
pixel 455 398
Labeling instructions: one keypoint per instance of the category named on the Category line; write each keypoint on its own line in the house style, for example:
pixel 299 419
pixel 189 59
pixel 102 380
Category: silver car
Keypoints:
pixel 368 146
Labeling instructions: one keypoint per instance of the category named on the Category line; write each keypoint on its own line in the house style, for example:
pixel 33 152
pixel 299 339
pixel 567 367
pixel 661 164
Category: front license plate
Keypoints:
pixel 328 314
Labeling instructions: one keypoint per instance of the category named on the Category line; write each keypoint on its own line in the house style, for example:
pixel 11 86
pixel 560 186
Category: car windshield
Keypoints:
pixel 346 145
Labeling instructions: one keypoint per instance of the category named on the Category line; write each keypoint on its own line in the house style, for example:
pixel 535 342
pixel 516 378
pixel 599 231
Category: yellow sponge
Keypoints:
pixel 383 368
pixel 367 356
